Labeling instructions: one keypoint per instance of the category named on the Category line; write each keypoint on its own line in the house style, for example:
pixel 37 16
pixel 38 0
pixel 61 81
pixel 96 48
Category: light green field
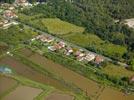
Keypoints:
pixel 94 42
pixel 53 25
pixel 57 26
pixel 115 70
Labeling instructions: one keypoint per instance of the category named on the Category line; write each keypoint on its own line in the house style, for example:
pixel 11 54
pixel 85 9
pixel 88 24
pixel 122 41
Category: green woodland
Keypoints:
pixel 11 37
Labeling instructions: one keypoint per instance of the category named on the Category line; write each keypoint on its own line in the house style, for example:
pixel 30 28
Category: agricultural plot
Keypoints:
pixel 52 25
pixel 57 26
pixel 16 87
pixel 111 94
pixel 59 96
pixel 30 73
pixel 115 70
pixel 6 84
pixel 23 93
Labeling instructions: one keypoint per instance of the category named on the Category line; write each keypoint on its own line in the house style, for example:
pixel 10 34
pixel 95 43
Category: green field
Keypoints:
pixel 96 44
pixel 57 26
pixel 118 71
pixel 53 25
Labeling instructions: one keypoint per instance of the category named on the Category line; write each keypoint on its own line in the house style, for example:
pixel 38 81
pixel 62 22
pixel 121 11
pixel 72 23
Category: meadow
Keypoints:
pixel 52 25
pixel 58 27
pixel 118 71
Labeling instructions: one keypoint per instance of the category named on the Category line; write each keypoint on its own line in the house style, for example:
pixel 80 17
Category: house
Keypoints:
pixel 80 58
pixel 62 44
pixel 131 79
pixel 89 57
pixel 68 51
pixel 79 53
pixel 22 3
pixel 11 8
pixel 99 59
pixel 3 23
pixel 47 39
pixel 57 46
pixel 9 14
pixel 52 48
pixel 39 37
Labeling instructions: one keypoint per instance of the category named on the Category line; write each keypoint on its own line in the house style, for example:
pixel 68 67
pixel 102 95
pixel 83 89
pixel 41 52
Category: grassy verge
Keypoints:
pixel 43 95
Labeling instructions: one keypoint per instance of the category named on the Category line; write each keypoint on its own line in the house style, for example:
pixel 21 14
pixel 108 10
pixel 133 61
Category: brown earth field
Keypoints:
pixel 26 71
pixel 23 93
pixel 6 84
pixel 59 96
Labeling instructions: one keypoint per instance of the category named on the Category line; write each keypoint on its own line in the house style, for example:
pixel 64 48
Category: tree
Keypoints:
pixel 132 65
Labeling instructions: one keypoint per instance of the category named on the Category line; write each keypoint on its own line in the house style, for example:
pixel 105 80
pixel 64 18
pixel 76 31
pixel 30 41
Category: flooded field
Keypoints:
pixel 111 94
pixel 23 93
pixel 6 84
pixel 59 96
pixel 30 73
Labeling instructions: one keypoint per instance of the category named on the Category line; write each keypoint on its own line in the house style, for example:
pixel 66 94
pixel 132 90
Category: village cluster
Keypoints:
pixel 68 50
pixel 8 12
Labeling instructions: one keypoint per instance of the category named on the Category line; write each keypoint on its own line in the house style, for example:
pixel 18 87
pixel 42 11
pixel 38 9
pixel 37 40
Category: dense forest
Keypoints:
pixel 7 1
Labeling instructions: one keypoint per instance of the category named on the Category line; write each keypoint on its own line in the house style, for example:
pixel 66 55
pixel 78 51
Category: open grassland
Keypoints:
pixel 57 26
pixel 118 71
pixel 52 25
pixel 93 42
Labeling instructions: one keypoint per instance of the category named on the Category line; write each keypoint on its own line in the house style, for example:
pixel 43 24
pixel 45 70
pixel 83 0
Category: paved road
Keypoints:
pixel 73 45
